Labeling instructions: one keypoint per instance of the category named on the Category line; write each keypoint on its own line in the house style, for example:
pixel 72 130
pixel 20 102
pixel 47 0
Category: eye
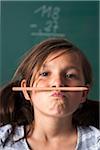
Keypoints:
pixel 71 76
pixel 44 74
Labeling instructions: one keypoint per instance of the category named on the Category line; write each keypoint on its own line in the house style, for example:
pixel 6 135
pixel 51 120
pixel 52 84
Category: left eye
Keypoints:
pixel 69 76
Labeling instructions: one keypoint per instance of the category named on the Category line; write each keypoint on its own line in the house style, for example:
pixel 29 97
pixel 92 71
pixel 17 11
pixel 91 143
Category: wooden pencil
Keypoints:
pixel 50 88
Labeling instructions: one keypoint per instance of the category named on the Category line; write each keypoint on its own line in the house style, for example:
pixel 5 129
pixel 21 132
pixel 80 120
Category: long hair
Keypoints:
pixel 12 104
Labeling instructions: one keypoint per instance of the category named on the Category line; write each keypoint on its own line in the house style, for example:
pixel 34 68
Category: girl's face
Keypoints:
pixel 59 70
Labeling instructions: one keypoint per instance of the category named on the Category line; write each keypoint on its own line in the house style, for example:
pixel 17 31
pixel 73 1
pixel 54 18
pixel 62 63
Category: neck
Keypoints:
pixel 47 127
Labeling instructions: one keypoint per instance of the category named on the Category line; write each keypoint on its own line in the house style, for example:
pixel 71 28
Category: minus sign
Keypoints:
pixel 33 25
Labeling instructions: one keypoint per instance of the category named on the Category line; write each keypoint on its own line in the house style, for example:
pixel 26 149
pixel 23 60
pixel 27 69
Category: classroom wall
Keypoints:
pixel 25 23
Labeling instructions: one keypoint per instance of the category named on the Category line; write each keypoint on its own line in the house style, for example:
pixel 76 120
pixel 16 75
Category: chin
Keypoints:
pixel 58 114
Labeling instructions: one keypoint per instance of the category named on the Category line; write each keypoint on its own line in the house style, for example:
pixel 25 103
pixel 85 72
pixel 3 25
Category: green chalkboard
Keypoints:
pixel 25 23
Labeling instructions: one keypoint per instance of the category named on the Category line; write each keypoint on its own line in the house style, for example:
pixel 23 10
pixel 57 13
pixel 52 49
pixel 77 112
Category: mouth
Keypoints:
pixel 58 94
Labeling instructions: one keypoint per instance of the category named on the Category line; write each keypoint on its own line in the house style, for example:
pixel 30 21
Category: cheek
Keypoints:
pixel 75 97
pixel 39 99
pixel 41 83
pixel 36 101
pixel 74 101
pixel 75 82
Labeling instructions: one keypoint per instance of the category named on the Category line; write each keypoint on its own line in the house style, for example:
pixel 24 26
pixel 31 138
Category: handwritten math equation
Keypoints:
pixel 49 16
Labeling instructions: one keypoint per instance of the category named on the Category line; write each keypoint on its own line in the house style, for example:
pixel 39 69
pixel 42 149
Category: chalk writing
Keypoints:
pixel 49 21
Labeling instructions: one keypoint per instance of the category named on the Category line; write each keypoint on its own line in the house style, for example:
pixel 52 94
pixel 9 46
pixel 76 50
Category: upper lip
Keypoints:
pixel 58 94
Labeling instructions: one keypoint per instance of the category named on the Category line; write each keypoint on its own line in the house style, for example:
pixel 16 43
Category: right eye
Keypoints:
pixel 44 74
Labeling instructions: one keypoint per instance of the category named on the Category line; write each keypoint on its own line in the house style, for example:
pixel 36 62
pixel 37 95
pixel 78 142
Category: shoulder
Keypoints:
pixel 89 137
pixel 5 131
pixel 91 130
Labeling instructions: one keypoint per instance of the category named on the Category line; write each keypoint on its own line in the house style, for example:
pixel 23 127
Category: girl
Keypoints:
pixel 46 116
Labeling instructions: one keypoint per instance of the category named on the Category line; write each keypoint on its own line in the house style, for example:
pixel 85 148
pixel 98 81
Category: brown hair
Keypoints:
pixel 12 104
pixel 35 57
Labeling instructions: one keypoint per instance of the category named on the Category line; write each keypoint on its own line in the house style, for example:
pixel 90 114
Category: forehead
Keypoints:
pixel 63 57
pixel 60 59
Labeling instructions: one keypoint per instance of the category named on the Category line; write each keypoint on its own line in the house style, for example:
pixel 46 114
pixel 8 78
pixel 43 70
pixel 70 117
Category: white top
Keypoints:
pixel 88 138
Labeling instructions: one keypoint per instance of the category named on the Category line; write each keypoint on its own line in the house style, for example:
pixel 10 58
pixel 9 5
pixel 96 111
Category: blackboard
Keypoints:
pixel 25 23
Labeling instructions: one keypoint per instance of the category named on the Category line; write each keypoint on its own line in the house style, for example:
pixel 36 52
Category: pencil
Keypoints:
pixel 50 88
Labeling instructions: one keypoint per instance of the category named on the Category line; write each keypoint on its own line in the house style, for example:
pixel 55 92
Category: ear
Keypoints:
pixel 85 93
pixel 25 93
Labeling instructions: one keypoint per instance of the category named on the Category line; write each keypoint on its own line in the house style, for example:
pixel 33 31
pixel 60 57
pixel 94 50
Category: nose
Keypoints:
pixel 57 81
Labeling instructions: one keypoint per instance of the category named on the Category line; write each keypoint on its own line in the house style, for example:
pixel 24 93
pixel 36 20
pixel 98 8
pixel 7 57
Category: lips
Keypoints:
pixel 58 94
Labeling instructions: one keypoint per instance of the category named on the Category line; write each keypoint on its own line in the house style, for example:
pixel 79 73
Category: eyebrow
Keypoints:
pixel 67 67
pixel 72 67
